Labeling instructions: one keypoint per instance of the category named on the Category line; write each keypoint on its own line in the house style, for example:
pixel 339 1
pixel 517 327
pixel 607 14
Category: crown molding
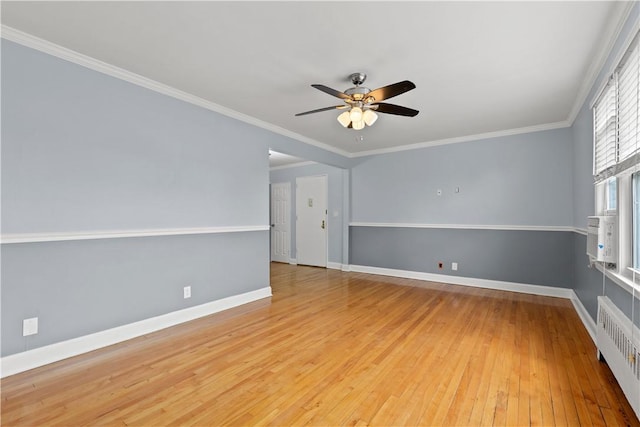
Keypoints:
pixel 615 62
pixel 599 62
pixel 58 51
pixel 468 138
pixel 86 61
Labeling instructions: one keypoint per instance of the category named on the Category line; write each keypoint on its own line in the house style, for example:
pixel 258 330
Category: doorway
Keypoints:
pixel 280 221
pixel 311 220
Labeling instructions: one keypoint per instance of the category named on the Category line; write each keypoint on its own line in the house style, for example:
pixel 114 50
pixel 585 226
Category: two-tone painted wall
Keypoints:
pixel 85 153
pixel 509 210
pixel 500 208
pixel 589 282
pixel 114 198
pixel 338 214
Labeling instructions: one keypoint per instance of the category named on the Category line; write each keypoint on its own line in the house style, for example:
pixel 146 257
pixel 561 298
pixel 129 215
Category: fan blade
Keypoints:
pixel 390 91
pixel 332 92
pixel 395 109
pixel 337 107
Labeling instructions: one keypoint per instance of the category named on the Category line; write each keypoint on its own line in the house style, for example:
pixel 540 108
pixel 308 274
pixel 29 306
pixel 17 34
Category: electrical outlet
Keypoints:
pixel 454 266
pixel 187 292
pixel 30 326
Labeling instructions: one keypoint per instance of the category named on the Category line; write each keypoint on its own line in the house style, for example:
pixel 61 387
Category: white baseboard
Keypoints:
pixel 468 281
pixel 587 320
pixel 30 359
pixel 330 265
pixel 346 268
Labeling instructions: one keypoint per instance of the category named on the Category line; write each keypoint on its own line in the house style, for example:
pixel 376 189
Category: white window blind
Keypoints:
pixel 605 126
pixel 616 118
pixel 628 87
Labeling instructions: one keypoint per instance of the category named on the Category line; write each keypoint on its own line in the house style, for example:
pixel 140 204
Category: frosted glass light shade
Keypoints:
pixel 358 125
pixel 344 119
pixel 356 114
pixel 369 117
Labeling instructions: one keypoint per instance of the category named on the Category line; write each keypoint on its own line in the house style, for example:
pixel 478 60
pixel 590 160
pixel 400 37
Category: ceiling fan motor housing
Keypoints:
pixel 357 93
pixel 358 78
pixel 361 100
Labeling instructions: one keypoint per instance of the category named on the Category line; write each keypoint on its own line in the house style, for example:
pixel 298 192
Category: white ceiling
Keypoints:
pixel 479 67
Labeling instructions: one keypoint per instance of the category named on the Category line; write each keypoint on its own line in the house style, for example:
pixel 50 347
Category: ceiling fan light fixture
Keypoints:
pixel 344 119
pixel 362 105
pixel 356 114
pixel 369 117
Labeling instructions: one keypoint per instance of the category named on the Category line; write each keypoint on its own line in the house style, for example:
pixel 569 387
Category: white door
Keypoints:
pixel 311 222
pixel 280 221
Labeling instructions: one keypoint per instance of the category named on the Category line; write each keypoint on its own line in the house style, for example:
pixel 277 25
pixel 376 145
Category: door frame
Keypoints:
pixel 325 189
pixel 287 215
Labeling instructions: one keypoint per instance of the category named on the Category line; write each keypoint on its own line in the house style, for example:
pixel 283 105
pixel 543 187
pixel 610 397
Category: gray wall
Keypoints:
pixel 82 151
pixel 80 287
pixel 336 216
pixel 537 179
pixel 512 180
pixel 520 180
pixel 85 152
pixel 531 257
pixel 588 282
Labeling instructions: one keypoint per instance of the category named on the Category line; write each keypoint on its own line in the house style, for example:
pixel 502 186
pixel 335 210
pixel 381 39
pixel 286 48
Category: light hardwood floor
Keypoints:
pixel 334 348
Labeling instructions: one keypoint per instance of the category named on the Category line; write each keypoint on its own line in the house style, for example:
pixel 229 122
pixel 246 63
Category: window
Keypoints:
pixel 636 220
pixel 611 195
pixel 628 84
pixel 605 124
pixel 616 159
pixel 616 118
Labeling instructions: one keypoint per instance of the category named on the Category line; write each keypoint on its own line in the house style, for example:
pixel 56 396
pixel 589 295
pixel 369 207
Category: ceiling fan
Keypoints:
pixel 362 103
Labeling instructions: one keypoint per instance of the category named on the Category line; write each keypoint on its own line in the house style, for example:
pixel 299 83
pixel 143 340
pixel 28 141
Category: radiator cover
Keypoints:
pixel 620 348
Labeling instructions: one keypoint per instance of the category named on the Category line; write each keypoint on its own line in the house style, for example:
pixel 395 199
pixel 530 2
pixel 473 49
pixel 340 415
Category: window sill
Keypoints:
pixel 621 280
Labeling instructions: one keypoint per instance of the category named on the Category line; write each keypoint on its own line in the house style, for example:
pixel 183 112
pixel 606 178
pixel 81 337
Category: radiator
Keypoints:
pixel 620 349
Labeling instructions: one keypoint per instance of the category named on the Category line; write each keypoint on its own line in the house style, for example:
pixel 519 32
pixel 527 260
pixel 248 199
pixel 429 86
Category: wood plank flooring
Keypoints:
pixel 332 348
